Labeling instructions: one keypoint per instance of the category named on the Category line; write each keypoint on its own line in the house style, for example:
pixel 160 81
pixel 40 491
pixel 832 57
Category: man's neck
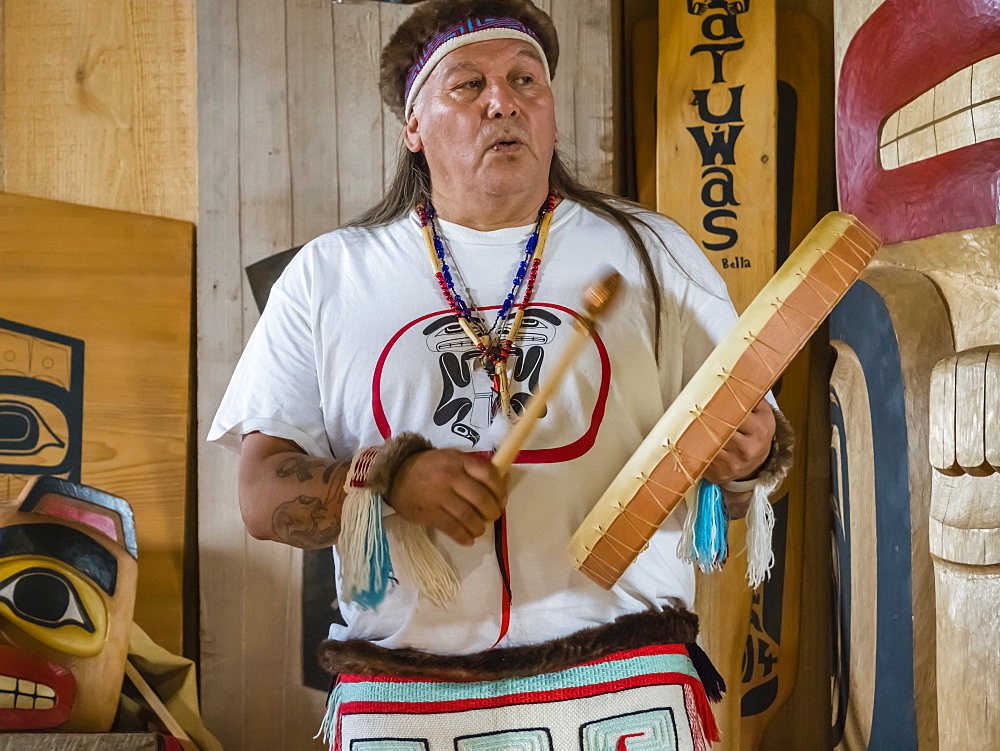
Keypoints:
pixel 489 212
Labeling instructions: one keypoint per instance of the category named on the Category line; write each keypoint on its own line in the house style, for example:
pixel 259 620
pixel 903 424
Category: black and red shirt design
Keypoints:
pixel 464 403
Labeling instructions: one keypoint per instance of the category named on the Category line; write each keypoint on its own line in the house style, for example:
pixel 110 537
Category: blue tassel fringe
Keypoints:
pixel 711 529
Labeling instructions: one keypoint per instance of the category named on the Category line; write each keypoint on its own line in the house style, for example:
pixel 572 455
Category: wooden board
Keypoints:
pixel 716 130
pixel 121 283
pixel 293 142
pixel 725 198
pixel 80 742
pixel 265 196
pixel 644 64
pixel 221 539
pixel 771 664
pixel 99 104
pixel 584 89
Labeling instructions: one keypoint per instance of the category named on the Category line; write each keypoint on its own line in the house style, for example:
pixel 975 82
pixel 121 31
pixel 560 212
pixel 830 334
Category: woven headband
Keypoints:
pixel 458 35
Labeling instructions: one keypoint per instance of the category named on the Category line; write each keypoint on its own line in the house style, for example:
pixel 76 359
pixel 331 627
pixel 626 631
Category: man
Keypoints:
pixel 430 322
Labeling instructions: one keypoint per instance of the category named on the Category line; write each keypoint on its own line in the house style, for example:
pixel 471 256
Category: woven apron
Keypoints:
pixel 606 692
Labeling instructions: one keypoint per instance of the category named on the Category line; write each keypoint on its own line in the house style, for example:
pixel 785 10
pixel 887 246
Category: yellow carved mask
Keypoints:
pixel 67 591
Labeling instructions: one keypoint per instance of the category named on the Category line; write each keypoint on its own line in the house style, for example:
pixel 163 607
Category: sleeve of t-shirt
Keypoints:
pixel 275 387
pixel 707 313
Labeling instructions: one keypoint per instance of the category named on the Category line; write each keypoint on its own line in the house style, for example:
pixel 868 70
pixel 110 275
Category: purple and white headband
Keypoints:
pixel 458 35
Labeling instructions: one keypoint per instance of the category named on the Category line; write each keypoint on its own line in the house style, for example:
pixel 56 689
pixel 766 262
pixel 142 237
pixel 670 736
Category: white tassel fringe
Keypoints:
pixel 358 545
pixel 328 728
pixel 760 527
pixel 422 563
pixel 685 545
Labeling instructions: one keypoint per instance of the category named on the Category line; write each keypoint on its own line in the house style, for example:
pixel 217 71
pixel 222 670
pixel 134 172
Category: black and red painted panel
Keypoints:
pixel 41 402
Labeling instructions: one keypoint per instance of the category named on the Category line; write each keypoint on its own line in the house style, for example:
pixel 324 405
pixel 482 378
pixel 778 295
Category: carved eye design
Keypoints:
pixel 23 430
pixel 46 598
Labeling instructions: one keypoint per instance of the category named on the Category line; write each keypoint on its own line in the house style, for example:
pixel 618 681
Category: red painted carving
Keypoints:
pixel 904 49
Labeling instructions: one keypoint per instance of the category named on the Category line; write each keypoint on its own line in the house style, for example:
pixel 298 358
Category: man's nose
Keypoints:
pixel 501 100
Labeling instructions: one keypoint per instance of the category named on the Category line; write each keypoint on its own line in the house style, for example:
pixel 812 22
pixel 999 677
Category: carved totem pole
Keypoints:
pixel 916 385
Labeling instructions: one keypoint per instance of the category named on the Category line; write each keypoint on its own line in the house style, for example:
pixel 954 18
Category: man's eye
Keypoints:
pixel 46 598
pixel 476 84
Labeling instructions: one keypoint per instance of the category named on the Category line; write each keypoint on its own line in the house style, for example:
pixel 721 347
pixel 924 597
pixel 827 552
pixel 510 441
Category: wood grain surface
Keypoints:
pixel 967 625
pixel 919 321
pixel 122 283
pixel 686 176
pixel 99 104
pixel 80 742
pixel 723 599
pixel 970 412
pixel 644 44
pixel 848 386
pixel 803 399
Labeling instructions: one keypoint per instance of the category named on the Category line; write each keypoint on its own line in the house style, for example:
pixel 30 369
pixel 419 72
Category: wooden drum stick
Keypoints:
pixel 597 299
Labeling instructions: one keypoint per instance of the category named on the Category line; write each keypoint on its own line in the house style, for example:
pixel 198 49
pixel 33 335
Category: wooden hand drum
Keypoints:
pixel 720 395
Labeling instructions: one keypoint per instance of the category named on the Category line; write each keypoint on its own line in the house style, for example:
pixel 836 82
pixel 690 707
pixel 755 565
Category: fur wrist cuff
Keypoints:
pixel 779 462
pixel 390 458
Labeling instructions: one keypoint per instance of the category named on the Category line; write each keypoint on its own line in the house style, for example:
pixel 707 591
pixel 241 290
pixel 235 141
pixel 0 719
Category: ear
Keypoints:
pixel 411 135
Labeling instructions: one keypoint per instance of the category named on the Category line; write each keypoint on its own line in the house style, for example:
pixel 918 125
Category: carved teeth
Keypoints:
pixel 19 693
pixel 961 110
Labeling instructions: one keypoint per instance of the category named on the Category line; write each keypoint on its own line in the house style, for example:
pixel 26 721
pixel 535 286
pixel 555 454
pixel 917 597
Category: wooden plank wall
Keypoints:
pixel 98 103
pixel 97 107
pixel 293 141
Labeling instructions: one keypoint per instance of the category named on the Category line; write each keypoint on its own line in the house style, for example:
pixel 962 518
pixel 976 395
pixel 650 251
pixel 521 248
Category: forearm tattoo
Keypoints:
pixel 312 518
pixel 306 522
pixel 301 467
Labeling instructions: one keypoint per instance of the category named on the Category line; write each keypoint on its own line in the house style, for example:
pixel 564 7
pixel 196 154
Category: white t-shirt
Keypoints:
pixel 357 344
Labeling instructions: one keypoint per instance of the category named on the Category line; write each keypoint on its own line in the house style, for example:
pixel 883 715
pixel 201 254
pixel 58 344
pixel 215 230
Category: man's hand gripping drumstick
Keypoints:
pixel 461 493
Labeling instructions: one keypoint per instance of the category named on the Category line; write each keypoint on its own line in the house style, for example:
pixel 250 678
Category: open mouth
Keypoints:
pixel 34 693
pixel 918 139
pixel 960 111
pixel 17 693
pixel 506 145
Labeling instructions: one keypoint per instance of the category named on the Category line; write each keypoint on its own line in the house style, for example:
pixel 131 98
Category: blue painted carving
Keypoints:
pixel 863 322
pixel 40 371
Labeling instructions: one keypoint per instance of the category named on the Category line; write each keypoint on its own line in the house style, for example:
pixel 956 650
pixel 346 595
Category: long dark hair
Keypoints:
pixel 412 184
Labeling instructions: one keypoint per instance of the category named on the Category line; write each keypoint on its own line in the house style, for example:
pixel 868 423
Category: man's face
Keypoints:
pixel 485 120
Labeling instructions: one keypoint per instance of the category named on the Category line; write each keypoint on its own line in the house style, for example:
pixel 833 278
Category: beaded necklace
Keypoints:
pixel 496 344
